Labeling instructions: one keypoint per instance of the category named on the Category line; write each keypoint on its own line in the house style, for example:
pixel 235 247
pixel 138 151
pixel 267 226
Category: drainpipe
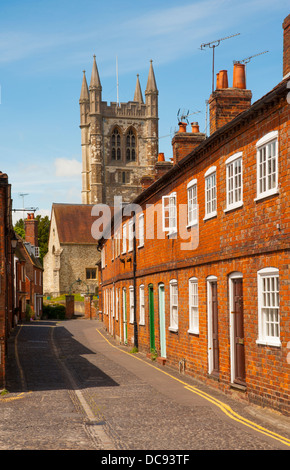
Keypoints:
pixel 134 281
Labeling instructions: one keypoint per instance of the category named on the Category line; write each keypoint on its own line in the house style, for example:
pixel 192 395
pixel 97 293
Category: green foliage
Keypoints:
pixel 53 312
pixel 28 313
pixel 134 350
pixel 43 233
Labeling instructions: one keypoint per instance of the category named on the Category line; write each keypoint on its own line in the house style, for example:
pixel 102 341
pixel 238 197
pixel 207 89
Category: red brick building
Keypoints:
pixel 6 271
pixel 205 284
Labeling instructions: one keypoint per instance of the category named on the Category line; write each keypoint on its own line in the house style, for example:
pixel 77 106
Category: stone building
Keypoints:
pixel 70 263
pixel 119 141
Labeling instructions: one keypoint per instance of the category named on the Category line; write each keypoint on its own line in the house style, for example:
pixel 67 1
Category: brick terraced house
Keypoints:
pixel 205 282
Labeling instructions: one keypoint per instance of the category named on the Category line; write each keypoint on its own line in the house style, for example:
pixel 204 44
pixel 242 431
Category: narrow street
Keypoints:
pixel 71 387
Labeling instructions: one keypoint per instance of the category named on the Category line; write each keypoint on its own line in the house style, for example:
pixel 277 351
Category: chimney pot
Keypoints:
pixel 217 81
pixel 239 76
pixel 161 157
pixel 194 127
pixel 182 126
pixel 223 79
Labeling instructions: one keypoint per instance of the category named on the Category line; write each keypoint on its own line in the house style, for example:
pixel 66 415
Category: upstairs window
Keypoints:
pixel 141 230
pixel 124 248
pixel 192 202
pixel 234 181
pixel 91 273
pixel 130 146
pixel 130 235
pixel 210 193
pixel 169 213
pixel 116 145
pixel 267 165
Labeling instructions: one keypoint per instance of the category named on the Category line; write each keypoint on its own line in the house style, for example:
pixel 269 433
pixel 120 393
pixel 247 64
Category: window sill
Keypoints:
pixel 172 234
pixel 173 330
pixel 234 206
pixel 275 343
pixel 192 332
pixel 262 196
pixel 192 224
pixel 211 215
pixel 140 246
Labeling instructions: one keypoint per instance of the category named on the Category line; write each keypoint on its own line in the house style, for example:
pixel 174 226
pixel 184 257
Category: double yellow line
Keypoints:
pixel 222 406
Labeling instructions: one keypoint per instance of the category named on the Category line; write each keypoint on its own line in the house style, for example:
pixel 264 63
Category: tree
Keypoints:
pixel 43 233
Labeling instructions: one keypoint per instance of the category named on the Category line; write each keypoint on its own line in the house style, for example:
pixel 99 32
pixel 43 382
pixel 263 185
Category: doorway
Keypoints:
pixel 161 301
pixel 213 338
pixel 125 316
pixel 151 317
pixel 238 370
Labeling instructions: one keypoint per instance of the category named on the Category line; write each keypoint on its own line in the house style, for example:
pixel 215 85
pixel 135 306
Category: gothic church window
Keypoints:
pixel 130 146
pixel 116 145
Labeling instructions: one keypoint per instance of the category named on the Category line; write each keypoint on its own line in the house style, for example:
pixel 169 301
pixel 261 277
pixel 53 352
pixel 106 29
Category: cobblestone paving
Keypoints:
pixel 70 390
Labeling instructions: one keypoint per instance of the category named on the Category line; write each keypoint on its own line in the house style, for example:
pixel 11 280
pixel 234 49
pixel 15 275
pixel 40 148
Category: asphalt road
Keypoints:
pixel 72 387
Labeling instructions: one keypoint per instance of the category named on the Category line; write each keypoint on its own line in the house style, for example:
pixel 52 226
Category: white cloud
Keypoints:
pixel 67 168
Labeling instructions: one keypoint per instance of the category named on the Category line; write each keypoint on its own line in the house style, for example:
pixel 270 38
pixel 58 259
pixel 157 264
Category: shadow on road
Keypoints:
pixel 45 356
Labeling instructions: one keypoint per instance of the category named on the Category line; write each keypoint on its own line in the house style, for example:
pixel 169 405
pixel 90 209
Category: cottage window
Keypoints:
pixel 210 193
pixel 267 165
pixel 142 305
pixel 131 303
pixel 173 305
pixel 192 202
pixel 169 213
pixel 268 307
pixel 124 249
pixel 91 273
pixel 130 235
pixel 141 230
pixel 193 306
pixel 234 181
pixel 116 145
pixel 103 258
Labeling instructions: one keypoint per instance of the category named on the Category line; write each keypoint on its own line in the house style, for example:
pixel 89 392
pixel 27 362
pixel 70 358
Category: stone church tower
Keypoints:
pixel 119 141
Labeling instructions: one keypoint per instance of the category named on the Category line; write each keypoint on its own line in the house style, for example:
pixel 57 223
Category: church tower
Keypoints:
pixel 119 141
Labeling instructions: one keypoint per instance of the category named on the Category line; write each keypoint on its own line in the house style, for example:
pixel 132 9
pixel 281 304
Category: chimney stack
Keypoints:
pixel 226 103
pixel 286 46
pixel 31 229
pixel 184 142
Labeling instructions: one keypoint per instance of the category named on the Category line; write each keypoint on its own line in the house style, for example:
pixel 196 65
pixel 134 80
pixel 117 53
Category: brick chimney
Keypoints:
pixel 31 229
pixel 226 103
pixel 184 142
pixel 162 166
pixel 286 46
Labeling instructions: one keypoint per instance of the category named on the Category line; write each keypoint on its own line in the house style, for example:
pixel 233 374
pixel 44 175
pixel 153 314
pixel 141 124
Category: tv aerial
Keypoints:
pixel 183 116
pixel 212 45
pixel 247 60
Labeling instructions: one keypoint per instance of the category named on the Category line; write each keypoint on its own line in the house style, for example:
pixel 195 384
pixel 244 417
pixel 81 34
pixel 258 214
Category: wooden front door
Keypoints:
pixel 151 318
pixel 215 339
pixel 239 348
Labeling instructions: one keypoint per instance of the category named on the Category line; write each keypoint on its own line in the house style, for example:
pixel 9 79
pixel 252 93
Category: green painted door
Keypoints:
pixel 151 318
pixel 161 299
pixel 125 316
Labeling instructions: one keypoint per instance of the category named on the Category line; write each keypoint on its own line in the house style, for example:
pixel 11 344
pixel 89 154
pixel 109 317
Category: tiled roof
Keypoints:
pixel 74 223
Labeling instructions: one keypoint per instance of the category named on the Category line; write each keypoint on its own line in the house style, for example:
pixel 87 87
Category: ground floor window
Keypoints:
pixel 173 305
pixel 193 306
pixel 268 306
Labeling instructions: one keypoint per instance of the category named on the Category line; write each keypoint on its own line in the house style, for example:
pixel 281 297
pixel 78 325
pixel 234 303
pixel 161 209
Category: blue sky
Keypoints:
pixel 45 46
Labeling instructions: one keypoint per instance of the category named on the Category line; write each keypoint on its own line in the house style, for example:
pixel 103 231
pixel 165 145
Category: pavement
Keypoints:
pixel 72 387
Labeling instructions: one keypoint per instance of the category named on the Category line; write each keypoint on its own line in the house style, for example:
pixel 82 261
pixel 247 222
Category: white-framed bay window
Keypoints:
pixel 193 306
pixel 169 213
pixel 268 307
pixel 234 181
pixel 210 193
pixel 267 165
pixel 141 305
pixel 192 212
pixel 173 286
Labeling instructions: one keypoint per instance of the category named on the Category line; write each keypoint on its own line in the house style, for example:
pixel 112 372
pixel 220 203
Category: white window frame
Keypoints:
pixel 117 303
pixel 233 178
pixel 193 305
pixel 124 239
pixel 131 304
pixel 130 235
pixel 268 306
pixel 173 286
pixel 169 213
pixel 142 305
pixel 141 230
pixel 210 176
pixel 267 142
pixel 192 212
